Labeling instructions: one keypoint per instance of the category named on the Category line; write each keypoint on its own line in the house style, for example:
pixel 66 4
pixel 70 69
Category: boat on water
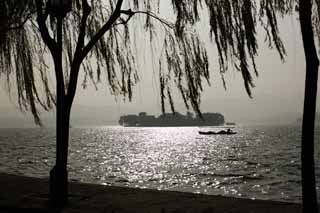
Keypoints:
pixel 222 132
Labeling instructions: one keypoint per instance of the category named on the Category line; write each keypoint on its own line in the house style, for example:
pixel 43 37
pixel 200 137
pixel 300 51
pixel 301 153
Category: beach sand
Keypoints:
pixel 28 194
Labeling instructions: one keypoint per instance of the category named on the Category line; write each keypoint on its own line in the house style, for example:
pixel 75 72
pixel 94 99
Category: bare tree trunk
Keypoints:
pixel 59 173
pixel 309 193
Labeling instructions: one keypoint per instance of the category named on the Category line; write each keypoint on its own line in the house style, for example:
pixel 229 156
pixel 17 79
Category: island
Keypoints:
pixel 172 119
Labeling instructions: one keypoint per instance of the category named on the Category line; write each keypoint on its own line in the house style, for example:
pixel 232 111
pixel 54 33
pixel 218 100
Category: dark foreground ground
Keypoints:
pixel 26 194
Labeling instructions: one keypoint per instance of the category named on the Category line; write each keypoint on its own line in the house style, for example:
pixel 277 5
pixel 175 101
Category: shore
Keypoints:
pixel 28 194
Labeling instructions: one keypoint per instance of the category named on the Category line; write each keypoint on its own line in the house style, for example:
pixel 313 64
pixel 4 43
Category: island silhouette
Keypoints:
pixel 172 119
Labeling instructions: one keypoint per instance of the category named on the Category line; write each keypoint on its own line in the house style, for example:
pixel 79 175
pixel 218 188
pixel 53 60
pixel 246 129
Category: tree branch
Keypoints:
pixel 82 52
pixel 55 47
pixel 18 26
pixel 131 13
pixel 74 72
pixel 115 15
pixel 41 19
pixel 82 33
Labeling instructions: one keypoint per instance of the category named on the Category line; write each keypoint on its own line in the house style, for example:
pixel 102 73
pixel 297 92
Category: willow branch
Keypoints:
pixel 131 13
pixel 77 55
pixel 20 25
pixel 82 51
pixel 41 19
pixel 115 15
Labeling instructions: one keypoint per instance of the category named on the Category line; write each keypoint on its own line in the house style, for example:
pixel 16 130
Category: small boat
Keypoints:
pixel 217 133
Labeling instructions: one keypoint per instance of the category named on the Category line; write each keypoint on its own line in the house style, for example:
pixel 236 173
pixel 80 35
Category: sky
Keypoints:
pixel 277 96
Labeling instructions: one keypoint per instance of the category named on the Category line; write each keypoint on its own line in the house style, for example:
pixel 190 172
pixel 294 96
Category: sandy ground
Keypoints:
pixel 27 194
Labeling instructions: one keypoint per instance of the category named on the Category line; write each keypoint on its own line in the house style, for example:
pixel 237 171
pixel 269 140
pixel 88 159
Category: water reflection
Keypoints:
pixel 258 162
pixel 180 159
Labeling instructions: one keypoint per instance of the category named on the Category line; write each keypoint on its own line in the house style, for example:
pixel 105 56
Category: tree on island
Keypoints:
pixel 79 33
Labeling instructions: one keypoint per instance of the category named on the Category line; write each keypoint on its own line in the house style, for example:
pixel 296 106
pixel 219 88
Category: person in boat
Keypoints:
pixel 225 132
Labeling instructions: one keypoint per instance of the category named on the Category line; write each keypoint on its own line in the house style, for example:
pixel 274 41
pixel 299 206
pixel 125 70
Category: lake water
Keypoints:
pixel 260 162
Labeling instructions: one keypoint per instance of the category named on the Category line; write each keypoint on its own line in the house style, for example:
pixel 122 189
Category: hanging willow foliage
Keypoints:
pixel 183 59
pixel 20 59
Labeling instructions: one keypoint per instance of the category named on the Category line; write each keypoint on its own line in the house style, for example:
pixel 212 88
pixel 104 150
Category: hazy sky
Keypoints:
pixel 277 97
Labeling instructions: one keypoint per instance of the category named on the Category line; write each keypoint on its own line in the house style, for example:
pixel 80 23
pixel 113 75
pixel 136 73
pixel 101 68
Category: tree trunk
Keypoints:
pixel 309 193
pixel 59 173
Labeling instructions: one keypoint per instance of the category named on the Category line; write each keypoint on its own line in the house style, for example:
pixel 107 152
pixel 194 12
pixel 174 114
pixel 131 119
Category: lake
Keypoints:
pixel 260 162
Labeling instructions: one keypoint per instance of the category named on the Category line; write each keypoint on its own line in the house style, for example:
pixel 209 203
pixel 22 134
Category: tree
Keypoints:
pixel 82 32
pixel 309 193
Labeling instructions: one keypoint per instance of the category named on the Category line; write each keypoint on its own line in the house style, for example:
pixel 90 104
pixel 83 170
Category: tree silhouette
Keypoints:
pixel 309 193
pixel 82 33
